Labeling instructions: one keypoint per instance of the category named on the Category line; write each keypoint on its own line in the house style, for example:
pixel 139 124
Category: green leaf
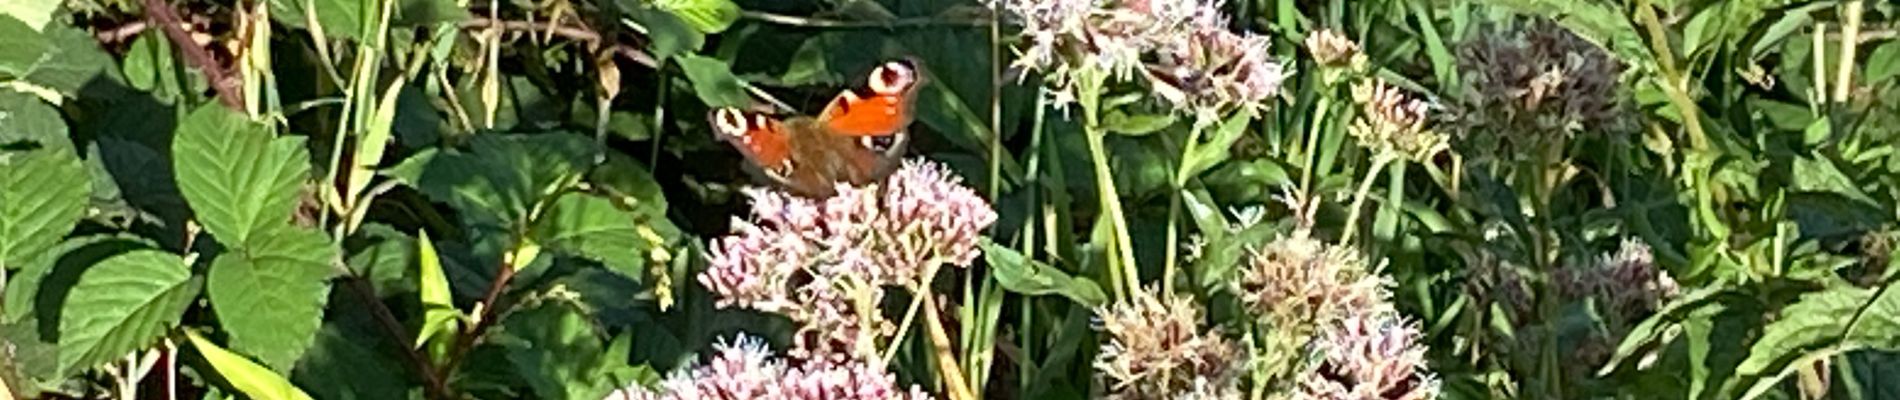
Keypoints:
pixel 339 19
pixel 349 362
pixel 35 13
pixel 1877 322
pixel 43 186
pixel 122 305
pixel 468 181
pixel 1220 146
pixel 593 228
pixel 1121 122
pixel 438 305
pixel 706 16
pixel 1883 63
pixel 714 82
pixel 1034 278
pixel 237 178
pixel 62 58
pixel 554 348
pixel 385 261
pixel 671 35
pixel 252 380
pixel 269 295
pixel 1815 321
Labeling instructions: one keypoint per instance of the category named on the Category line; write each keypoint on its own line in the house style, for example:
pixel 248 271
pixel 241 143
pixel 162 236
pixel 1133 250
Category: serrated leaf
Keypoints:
pixel 592 227
pixel 249 378
pixel 62 57
pixel 35 13
pixel 122 305
pixel 269 295
pixel 706 16
pixel 43 186
pixel 468 181
pixel 714 82
pixel 554 348
pixel 385 261
pixel 1034 278
pixel 238 179
pixel 1877 322
pixel 1814 321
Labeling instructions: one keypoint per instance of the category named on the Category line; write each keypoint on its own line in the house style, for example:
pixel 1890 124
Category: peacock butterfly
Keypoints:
pixel 857 139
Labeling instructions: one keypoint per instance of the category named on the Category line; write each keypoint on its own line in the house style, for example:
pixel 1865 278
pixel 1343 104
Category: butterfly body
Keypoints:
pixel 857 139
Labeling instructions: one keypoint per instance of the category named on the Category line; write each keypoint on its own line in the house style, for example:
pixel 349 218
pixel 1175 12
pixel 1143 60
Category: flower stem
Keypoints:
pixel 1174 210
pixel 1359 198
pixel 953 380
pixel 1121 259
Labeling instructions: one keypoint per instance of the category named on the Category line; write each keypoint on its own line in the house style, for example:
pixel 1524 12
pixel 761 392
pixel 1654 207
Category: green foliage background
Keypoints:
pixel 440 198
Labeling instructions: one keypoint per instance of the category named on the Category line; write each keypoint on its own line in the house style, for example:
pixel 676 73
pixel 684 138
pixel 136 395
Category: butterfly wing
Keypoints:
pixel 881 108
pixel 761 138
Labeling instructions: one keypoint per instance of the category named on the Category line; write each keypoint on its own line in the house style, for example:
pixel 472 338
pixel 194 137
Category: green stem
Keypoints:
pixel 1174 210
pixel 1311 149
pixel 1359 198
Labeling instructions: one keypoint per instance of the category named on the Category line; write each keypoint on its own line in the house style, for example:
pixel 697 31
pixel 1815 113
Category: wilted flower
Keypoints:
pixel 1370 356
pixel 1628 281
pixel 1393 124
pixel 1157 348
pixel 745 369
pixel 817 261
pixel 1298 283
pixel 1496 282
pixel 1182 46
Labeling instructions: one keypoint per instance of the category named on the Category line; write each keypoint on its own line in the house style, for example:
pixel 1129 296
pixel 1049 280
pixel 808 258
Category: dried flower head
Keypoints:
pixel 1530 86
pixel 1157 348
pixel 823 263
pixel 1392 124
pixel 1494 282
pixel 745 369
pixel 1298 284
pixel 1627 281
pixel 1370 356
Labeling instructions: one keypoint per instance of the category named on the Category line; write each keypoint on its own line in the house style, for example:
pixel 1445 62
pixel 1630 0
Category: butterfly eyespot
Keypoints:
pixel 729 121
pixel 878 143
pixel 893 77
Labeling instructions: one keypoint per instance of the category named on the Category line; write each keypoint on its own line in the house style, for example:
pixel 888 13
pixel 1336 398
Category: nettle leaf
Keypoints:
pixel 1030 277
pixel 594 228
pixel 706 16
pixel 714 82
pixel 252 380
pixel 269 295
pixel 43 186
pixel 1877 322
pixel 237 178
pixel 385 260
pixel 538 165
pixel 554 347
pixel 1816 323
pixel 121 305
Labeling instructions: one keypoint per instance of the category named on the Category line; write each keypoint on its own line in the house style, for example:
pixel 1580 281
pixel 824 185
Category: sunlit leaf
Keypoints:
pixel 43 186
pixel 1031 277
pixel 123 304
pixel 238 178
pixel 254 380
pixel 270 294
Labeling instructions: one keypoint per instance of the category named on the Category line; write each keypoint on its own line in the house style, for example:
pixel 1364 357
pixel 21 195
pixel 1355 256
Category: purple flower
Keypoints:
pixel 817 261
pixel 745 369
pixel 1181 46
pixel 1158 348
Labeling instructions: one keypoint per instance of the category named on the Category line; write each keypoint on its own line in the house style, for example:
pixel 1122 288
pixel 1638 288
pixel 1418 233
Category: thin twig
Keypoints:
pixel 485 319
pixel 161 13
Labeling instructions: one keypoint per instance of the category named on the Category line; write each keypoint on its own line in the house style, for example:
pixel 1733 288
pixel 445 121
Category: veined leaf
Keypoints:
pixel 539 165
pixel 269 296
pixel 555 349
pixel 122 305
pixel 247 377
pixel 59 57
pixel 43 185
pixel 671 35
pixel 592 227
pixel 1030 277
pixel 237 178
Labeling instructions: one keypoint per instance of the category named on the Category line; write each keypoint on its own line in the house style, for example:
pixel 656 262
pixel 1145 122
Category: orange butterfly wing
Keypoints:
pixel 761 138
pixel 884 107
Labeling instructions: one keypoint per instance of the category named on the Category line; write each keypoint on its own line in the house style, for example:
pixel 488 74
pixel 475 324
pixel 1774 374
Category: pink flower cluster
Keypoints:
pixel 823 263
pixel 1182 46
pixel 1370 356
pixel 745 369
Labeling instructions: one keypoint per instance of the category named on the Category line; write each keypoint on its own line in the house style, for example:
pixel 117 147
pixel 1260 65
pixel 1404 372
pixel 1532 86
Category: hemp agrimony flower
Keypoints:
pixel 745 369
